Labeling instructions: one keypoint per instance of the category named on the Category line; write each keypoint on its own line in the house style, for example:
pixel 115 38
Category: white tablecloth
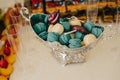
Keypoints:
pixel 35 62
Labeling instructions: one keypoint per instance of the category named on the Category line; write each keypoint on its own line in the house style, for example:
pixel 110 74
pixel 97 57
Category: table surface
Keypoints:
pixel 35 62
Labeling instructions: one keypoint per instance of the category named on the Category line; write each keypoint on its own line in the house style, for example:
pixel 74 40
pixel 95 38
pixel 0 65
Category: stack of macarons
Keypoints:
pixel 71 32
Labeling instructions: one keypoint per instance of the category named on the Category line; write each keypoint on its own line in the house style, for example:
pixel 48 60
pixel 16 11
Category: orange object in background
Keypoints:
pixel 9 42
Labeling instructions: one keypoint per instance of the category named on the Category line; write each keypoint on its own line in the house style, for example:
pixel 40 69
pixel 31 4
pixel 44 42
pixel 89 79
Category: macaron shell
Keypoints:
pixel 37 18
pixel 43 35
pixel 75 22
pixel 74 46
pixel 79 35
pixel 52 37
pixel 88 26
pixel 67 26
pixel 39 27
pixel 63 20
pixel 58 28
pixel 64 39
pixel 89 38
pixel 74 43
pixel 50 27
pixel 46 18
pixel 97 31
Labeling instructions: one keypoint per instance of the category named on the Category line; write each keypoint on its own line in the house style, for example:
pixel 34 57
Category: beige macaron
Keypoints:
pixel 50 27
pixel 74 21
pixel 57 28
pixel 89 38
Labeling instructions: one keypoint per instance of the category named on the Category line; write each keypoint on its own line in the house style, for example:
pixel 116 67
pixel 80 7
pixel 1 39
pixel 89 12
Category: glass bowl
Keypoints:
pixel 62 53
pixel 67 55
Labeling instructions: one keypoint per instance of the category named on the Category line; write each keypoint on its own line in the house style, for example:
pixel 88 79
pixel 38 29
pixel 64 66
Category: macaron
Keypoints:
pixel 43 35
pixel 34 19
pixel 64 39
pixel 89 38
pixel 67 26
pixel 63 20
pixel 39 27
pixel 74 43
pixel 50 27
pixel 74 21
pixel 45 17
pixel 79 35
pixel 38 18
pixel 88 26
pixel 58 28
pixel 74 46
pixel 97 31
pixel 102 28
pixel 52 37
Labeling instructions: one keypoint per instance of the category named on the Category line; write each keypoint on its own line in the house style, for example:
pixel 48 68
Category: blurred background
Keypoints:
pixel 107 9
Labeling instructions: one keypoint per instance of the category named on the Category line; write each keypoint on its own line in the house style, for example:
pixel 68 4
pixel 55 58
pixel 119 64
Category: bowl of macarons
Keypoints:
pixel 69 38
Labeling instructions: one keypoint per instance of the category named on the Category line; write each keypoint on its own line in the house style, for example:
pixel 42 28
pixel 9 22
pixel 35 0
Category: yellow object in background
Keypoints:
pixel 6 71
pixel 3 78
pixel 11 58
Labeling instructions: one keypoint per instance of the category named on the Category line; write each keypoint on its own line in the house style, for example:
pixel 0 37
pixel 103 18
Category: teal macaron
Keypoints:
pixel 43 35
pixel 52 37
pixel 64 39
pixel 74 43
pixel 45 18
pixel 63 20
pixel 74 46
pixel 39 27
pixel 88 26
pixel 36 18
pixel 79 35
pixel 67 26
pixel 102 28
pixel 97 31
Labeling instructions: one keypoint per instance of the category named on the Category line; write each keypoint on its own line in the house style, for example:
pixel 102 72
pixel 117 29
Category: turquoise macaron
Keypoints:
pixel 79 35
pixel 88 26
pixel 38 18
pixel 63 20
pixel 97 31
pixel 74 46
pixel 52 37
pixel 67 26
pixel 102 28
pixel 43 35
pixel 74 43
pixel 64 39
pixel 39 27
